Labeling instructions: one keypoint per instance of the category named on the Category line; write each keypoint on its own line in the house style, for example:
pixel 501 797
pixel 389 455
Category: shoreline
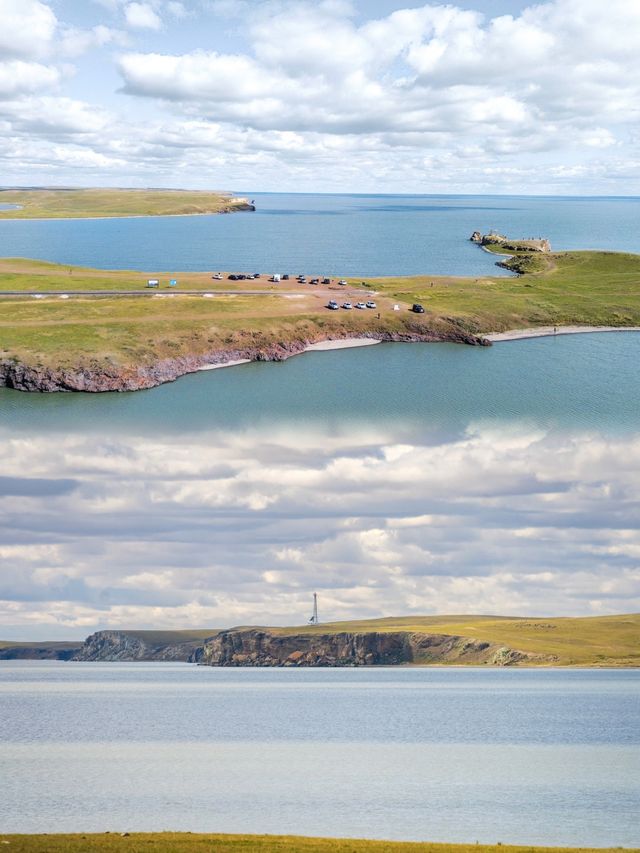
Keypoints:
pixel 319 346
pixel 21 377
pixel 551 332
pixel 164 841
pixel 248 209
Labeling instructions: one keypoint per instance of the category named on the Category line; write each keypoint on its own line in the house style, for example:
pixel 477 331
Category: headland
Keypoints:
pixel 470 640
pixel 77 329
pixel 102 203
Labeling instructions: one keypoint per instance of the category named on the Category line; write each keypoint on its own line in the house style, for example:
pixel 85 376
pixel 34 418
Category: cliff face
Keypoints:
pixel 126 646
pixel 98 377
pixel 532 244
pixel 256 647
pixel 260 648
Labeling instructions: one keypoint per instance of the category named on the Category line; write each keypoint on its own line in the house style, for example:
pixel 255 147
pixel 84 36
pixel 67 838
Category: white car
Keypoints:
pixel 371 304
pixel 342 282
pixel 347 305
pixel 360 305
pixel 217 277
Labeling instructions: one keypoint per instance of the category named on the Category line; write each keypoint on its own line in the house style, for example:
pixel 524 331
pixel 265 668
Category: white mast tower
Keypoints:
pixel 314 618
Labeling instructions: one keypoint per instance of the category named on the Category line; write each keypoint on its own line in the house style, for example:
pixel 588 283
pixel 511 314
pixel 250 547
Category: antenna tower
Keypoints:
pixel 314 618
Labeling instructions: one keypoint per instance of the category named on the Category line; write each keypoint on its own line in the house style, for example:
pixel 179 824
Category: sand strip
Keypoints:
pixel 343 343
pixel 225 364
pixel 551 331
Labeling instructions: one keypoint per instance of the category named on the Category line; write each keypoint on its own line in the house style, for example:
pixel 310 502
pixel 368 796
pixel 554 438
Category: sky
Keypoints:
pixel 327 96
pixel 230 528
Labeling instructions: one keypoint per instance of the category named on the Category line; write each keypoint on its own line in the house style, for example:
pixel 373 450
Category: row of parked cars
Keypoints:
pixel 301 279
pixel 333 305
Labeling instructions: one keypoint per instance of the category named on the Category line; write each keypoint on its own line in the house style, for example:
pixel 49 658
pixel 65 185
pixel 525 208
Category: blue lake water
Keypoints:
pixel 332 234
pixel 426 754
pixel 588 381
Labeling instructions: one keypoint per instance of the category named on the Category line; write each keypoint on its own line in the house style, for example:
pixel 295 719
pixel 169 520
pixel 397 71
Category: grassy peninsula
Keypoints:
pixel 105 323
pixel 61 203
pixel 175 842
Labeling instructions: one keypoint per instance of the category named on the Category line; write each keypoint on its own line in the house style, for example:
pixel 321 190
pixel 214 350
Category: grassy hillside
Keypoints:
pixel 171 638
pixel 586 641
pixel 83 203
pixel 44 644
pixel 583 288
pixel 171 842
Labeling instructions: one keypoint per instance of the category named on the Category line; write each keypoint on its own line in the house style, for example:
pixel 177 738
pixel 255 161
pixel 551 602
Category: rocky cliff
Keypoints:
pixel 531 244
pixel 101 376
pixel 259 647
pixel 134 646
pixel 252 647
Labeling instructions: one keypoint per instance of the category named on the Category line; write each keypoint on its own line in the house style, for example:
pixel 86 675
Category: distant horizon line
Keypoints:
pixel 26 187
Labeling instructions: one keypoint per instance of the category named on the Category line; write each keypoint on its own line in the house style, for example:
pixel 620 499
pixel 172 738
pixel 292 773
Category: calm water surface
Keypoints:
pixel 545 757
pixel 330 234
pixel 589 381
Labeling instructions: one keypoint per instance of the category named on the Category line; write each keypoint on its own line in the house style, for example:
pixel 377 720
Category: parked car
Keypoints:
pixel 371 304
pixel 302 279
pixel 417 308
pixel 233 277
pixel 314 281
pixel 333 305
pixel 360 305
pixel 342 282
pixel 285 277
pixel 256 275
pixel 217 277
pixel 347 305
pixel 326 281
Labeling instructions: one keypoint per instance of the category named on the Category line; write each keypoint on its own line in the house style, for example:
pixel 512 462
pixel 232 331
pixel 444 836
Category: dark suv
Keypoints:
pixel 417 308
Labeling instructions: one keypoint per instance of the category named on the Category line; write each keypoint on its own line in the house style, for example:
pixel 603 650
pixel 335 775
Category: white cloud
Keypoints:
pixel 238 528
pixel 74 42
pixel 27 28
pixel 435 78
pixel 142 16
pixel 311 96
pixel 18 77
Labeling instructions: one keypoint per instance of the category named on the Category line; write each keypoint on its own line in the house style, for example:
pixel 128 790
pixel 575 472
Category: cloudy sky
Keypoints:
pixel 368 95
pixel 240 527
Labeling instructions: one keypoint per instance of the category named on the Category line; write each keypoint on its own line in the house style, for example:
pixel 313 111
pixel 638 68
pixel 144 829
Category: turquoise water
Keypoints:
pixel 588 381
pixel 331 234
pixel 418 754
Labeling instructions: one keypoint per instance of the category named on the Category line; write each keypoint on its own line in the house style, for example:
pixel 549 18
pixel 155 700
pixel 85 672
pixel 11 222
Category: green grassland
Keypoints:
pixel 572 288
pixel 581 288
pixel 579 641
pixel 87 203
pixel 172 842
pixel 61 645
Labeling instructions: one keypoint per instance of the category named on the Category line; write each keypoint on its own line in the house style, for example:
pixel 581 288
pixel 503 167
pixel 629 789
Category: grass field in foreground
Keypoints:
pixel 87 203
pixel 575 641
pixel 582 288
pixel 172 842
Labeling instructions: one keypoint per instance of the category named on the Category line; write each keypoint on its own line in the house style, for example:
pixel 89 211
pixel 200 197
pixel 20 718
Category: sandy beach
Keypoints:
pixel 343 343
pixel 225 364
pixel 551 331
